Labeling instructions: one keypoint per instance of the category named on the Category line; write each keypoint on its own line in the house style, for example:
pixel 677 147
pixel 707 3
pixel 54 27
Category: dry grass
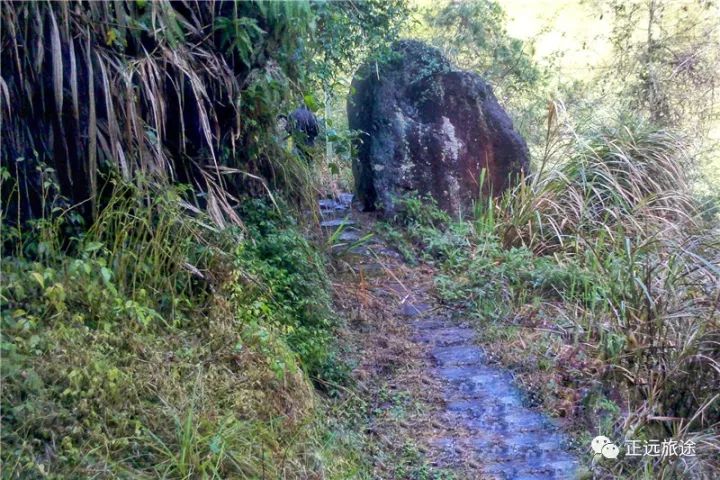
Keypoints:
pixel 172 92
pixel 616 205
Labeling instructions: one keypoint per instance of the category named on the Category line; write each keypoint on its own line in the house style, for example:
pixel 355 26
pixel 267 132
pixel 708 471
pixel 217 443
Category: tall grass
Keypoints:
pixel 605 256
pixel 616 202
pixel 629 180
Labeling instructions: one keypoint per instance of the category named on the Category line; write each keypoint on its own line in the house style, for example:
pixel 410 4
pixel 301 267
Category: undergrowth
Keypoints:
pixel 597 280
pixel 157 345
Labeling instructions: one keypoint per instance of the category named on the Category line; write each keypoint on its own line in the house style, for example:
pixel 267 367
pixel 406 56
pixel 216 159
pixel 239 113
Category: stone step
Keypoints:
pixel 555 466
pixel 458 355
pixel 337 222
pixel 413 309
pixel 433 323
pixel 446 336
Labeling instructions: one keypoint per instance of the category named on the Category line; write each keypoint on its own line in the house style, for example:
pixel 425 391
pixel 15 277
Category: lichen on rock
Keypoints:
pixel 430 128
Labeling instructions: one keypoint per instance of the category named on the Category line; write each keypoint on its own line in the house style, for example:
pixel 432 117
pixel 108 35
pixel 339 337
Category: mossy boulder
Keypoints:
pixel 429 128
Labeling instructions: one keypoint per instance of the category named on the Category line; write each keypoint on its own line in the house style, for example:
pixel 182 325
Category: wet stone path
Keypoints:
pixel 484 418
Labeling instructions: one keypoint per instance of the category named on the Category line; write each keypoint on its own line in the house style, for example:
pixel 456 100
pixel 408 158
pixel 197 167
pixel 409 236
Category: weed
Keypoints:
pixel 602 262
pixel 159 345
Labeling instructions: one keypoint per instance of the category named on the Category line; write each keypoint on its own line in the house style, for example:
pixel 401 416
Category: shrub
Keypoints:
pixel 160 345
pixel 606 250
pixel 284 279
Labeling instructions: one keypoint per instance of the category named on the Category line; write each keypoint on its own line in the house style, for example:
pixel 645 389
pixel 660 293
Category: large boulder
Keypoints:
pixel 429 128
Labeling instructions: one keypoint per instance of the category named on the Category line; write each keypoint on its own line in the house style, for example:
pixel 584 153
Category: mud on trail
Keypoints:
pixel 434 394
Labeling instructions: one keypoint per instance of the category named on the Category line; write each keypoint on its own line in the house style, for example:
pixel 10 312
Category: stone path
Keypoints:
pixel 484 419
pixel 509 440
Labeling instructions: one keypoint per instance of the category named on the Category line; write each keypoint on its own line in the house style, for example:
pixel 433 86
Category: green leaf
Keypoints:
pixel 93 247
pixel 216 444
pixel 106 274
pixel 38 278
pixel 310 102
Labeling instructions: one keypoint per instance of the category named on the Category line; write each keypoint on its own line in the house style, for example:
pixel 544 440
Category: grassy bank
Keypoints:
pixel 157 345
pixel 597 281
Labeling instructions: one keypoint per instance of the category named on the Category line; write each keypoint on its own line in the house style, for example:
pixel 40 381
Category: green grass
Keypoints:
pixel 157 345
pixel 597 280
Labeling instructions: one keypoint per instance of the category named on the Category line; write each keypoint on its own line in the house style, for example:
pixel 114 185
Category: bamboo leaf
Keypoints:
pixel 57 62
pixel 92 126
pixel 74 81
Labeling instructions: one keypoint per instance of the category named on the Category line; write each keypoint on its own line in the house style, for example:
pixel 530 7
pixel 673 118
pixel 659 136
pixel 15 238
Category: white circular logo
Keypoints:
pixel 610 451
pixel 603 446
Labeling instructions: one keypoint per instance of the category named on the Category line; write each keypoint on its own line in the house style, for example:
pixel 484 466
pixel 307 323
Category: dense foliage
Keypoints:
pixel 165 347
pixel 604 270
pixel 156 320
pixel 165 315
pixel 184 92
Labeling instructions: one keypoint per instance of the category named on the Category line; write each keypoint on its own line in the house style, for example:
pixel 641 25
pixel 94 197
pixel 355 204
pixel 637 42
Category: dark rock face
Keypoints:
pixel 430 128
